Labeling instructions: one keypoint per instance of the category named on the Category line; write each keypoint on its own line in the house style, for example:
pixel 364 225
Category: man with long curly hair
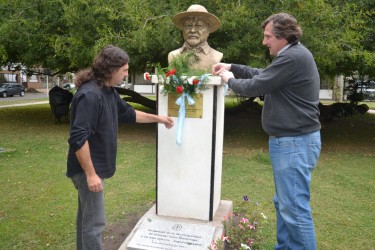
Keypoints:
pixel 96 110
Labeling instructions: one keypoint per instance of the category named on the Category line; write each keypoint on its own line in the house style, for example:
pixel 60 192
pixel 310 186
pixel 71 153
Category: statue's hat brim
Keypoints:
pixel 200 11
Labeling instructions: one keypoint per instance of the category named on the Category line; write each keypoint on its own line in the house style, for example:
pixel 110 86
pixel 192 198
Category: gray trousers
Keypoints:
pixel 90 215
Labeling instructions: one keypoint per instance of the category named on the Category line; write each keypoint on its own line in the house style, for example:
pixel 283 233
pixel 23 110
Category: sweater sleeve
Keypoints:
pixel 242 71
pixel 255 82
pixel 86 108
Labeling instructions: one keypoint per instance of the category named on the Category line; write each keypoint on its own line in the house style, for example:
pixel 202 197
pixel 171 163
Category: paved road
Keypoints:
pixel 28 96
pixel 33 97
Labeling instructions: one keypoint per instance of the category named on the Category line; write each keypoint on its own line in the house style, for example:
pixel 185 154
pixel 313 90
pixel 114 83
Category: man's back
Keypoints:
pixel 293 108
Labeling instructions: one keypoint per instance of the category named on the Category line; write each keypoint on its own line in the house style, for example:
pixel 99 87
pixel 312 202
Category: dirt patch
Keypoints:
pixel 32 90
pixel 115 234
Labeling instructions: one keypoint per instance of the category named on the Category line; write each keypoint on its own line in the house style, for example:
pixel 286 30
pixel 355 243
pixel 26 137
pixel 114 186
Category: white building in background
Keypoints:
pixel 10 74
pixel 332 90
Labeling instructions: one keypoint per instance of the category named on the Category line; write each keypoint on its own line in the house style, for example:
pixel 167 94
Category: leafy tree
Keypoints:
pixel 65 35
pixel 28 31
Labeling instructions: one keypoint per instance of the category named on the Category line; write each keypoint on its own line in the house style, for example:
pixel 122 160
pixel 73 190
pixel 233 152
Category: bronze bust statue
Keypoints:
pixel 196 24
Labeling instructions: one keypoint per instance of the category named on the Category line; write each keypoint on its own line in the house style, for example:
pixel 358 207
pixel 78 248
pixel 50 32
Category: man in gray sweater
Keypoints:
pixel 291 118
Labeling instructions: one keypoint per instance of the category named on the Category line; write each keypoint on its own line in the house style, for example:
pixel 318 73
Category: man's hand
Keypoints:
pixel 220 67
pixel 167 121
pixel 226 75
pixel 94 182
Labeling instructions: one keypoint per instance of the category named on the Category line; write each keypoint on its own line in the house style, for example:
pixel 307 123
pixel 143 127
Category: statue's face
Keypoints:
pixel 196 31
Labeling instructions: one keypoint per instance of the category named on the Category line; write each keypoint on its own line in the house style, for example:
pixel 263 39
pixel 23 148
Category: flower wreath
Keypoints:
pixel 179 77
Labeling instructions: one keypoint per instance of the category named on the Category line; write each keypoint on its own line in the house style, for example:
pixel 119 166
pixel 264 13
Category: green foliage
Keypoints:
pixel 341 111
pixel 65 35
pixel 243 229
pixel 353 90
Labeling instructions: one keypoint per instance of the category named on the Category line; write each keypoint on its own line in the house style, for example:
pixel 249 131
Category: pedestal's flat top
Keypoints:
pixel 211 80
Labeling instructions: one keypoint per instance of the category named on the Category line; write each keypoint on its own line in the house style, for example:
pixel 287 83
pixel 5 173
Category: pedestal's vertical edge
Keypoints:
pixel 213 154
pixel 157 149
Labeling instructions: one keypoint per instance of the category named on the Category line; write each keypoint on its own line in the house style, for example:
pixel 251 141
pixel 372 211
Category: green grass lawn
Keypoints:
pixel 38 203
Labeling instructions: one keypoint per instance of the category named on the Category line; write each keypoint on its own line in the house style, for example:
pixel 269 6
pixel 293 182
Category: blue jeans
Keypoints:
pixel 293 159
pixel 90 215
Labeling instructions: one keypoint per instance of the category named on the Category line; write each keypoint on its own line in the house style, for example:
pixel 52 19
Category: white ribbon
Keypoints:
pixel 181 115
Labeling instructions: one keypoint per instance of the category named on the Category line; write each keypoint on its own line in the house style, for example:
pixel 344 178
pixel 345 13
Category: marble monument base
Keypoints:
pixel 173 233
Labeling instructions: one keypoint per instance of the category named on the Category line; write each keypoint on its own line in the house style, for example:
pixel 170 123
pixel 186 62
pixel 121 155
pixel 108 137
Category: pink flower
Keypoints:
pixel 171 72
pixel 147 76
pixel 244 220
pixel 179 89
pixel 250 242
pixel 251 226
pixel 224 238
pixel 213 245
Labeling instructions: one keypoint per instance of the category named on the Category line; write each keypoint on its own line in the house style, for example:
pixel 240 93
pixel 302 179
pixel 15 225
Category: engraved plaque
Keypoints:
pixel 192 111
pixel 158 234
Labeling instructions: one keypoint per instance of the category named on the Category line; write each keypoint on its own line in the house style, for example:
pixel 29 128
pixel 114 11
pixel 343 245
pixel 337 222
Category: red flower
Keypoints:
pixel 147 76
pixel 196 81
pixel 171 72
pixel 179 89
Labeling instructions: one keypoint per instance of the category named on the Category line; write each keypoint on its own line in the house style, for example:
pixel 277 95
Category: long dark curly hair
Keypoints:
pixel 108 61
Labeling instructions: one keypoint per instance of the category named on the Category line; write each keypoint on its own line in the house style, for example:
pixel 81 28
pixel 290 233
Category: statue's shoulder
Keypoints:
pixel 173 54
pixel 215 52
pixel 215 55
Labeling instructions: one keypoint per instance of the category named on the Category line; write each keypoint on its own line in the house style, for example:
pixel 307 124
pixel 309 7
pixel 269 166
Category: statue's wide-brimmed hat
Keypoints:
pixel 200 11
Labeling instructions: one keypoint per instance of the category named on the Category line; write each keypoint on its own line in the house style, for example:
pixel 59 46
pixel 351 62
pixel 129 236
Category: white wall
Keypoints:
pixel 326 94
pixel 145 89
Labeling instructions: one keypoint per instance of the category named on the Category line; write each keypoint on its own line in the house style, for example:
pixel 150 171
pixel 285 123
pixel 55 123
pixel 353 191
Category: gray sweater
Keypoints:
pixel 291 86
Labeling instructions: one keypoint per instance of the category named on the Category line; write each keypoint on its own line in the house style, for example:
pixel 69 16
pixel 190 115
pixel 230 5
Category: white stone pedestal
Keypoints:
pixel 188 210
pixel 189 175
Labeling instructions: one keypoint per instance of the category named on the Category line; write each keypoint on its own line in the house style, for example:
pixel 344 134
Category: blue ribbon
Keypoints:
pixel 181 114
pixel 203 78
pixel 226 89
pixel 175 79
pixel 182 111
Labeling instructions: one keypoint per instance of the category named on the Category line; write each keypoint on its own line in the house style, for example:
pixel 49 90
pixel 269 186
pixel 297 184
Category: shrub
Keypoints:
pixel 242 229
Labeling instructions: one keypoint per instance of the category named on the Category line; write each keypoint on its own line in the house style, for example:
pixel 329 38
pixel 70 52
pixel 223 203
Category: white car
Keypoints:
pixel 368 90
